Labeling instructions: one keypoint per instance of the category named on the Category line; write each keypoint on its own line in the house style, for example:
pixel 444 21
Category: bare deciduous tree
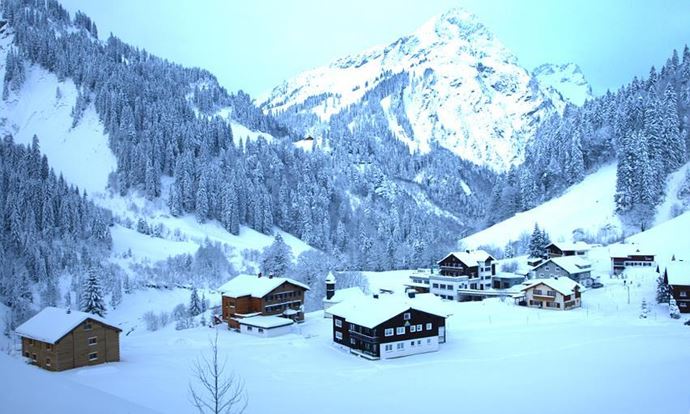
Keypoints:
pixel 218 390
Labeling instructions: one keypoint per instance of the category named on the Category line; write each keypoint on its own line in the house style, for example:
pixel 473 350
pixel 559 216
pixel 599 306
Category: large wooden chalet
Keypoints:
pixel 462 270
pixel 556 293
pixel 250 296
pixel 560 249
pixel 573 267
pixel 58 339
pixel 388 326
pixel 626 256
pixel 677 275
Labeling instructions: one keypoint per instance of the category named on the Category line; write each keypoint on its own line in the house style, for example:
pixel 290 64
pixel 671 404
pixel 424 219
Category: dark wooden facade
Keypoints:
pixel 368 341
pixel 452 266
pixel 90 343
pixel 284 297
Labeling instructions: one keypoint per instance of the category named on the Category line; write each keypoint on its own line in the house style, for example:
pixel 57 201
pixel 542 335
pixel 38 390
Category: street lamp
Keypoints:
pixel 625 283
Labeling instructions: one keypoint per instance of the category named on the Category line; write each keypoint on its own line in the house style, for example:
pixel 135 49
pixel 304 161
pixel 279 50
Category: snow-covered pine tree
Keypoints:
pixel 662 289
pixel 673 310
pixel 276 258
pixel 92 300
pixel 536 242
pixel 194 303
pixel 116 297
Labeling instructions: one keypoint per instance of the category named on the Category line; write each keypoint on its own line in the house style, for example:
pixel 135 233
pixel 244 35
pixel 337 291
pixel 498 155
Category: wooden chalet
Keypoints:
pixel 389 326
pixel 560 249
pixel 625 256
pixel 556 293
pixel 677 275
pixel 573 267
pixel 468 270
pixel 249 296
pixel 58 339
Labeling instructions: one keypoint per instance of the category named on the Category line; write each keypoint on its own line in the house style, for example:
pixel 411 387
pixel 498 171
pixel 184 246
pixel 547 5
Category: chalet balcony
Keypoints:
pixel 452 266
pixel 366 337
pixel 548 294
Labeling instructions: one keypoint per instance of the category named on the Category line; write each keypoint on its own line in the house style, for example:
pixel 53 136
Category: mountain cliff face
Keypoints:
pixel 566 80
pixel 451 83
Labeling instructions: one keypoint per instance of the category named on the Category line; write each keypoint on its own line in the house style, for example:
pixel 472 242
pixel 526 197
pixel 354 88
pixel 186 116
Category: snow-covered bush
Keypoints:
pixel 509 267
pixel 644 310
pixel 673 310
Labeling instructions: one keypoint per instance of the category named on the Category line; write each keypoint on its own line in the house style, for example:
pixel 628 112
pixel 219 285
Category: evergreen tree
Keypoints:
pixel 277 258
pixel 92 300
pixel 536 242
pixel 663 292
pixel 116 297
pixel 194 303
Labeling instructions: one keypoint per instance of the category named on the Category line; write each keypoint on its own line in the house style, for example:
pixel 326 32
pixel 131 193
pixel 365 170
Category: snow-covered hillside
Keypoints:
pixel 567 80
pixel 461 89
pixel 588 206
pixel 43 107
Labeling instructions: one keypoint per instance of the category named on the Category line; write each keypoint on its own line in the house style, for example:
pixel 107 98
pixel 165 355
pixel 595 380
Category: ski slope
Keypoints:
pixel 587 205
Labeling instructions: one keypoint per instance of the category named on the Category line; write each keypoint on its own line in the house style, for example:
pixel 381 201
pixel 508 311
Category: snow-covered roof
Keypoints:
pixel 471 257
pixel 507 275
pixel 370 312
pixel 345 294
pixel 266 322
pixel 625 250
pixel 330 278
pixel 563 285
pixel 576 246
pixel 51 324
pixel 678 272
pixel 255 286
pixel 571 264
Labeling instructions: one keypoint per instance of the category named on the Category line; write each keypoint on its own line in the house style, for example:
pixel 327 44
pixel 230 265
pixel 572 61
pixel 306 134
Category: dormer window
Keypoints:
pixel 88 326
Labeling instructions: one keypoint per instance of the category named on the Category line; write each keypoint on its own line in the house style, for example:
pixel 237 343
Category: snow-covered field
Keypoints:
pixel 499 358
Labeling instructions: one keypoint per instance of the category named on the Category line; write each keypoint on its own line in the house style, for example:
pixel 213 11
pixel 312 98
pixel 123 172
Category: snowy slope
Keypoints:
pixel 81 154
pixel 21 385
pixel 464 91
pixel 588 205
pixel 668 238
pixel 567 80
pixel 673 185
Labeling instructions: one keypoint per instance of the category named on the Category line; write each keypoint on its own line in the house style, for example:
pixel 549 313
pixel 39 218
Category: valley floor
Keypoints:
pixel 499 357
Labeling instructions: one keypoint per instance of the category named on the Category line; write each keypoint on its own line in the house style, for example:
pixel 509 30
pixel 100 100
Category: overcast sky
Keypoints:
pixel 254 45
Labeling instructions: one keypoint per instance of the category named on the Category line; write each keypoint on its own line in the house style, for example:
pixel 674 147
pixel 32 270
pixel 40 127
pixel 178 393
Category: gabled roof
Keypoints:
pixel 564 285
pixel 625 250
pixel 571 264
pixel 471 257
pixel 258 287
pixel 370 312
pixel 52 324
pixel 678 272
pixel 576 246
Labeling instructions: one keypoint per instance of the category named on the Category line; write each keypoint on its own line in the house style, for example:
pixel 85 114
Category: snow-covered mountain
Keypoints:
pixel 451 83
pixel 567 80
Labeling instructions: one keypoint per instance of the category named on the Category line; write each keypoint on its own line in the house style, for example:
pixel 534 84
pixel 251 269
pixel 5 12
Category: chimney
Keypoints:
pixel 259 275
pixel 270 276
pixel 467 251
pixel 376 295
pixel 330 286
pixel 411 294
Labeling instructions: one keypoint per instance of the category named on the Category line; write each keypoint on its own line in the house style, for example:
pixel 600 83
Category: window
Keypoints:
pixel 428 326
pixel 389 347
pixel 435 285
pixel 261 330
pixel 249 328
pixel 419 341
pixel 49 347
pixel 428 341
pixel 388 332
pixel 33 357
pixel 26 354
pixel 407 316
pixel 450 287
pixel 338 323
pixel 93 356
pixel 31 341
pixel 413 328
pixel 443 286
pixel 339 335
pixel 47 362
pixel 352 341
pixel 411 343
pixel 419 327
pixel 401 346
pixel 87 326
pixel 400 330
pixel 93 341
pixel 683 305
pixel 683 294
